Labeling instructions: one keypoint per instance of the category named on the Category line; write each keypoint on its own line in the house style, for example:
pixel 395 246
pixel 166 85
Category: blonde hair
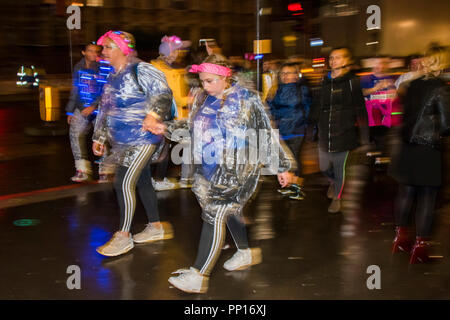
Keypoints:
pixel 435 60
pixel 218 59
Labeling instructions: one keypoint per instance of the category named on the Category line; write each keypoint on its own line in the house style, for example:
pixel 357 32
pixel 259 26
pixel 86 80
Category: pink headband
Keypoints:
pixel 211 68
pixel 125 47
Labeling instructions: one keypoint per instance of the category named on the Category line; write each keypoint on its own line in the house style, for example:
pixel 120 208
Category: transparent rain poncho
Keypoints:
pixel 128 96
pixel 229 141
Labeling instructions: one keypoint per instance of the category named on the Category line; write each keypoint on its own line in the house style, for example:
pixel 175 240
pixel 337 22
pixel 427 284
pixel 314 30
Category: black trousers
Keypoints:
pixel 212 239
pixel 127 180
pixel 160 168
pixel 295 145
pixel 426 201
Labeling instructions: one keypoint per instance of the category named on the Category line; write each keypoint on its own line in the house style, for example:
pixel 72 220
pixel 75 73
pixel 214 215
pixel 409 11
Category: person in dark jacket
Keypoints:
pixel 417 164
pixel 88 79
pixel 341 116
pixel 290 109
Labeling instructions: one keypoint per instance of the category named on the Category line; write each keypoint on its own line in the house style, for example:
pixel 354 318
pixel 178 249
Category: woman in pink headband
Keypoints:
pixel 223 182
pixel 133 96
pixel 124 42
pixel 214 77
pixel 121 39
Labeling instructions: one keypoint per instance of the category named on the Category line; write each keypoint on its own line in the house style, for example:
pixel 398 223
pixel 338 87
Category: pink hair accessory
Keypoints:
pixel 121 43
pixel 211 68
pixel 175 39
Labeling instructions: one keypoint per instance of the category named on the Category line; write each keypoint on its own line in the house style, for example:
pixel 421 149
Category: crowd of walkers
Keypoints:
pixel 138 110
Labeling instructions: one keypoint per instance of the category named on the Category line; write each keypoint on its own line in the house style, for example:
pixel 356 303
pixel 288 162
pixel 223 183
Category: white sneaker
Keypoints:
pixel 151 233
pixel 243 259
pixel 81 176
pixel 117 245
pixel 190 280
pixel 163 185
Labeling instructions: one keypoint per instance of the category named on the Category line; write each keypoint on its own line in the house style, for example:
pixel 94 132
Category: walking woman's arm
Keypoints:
pixel 286 160
pixel 100 127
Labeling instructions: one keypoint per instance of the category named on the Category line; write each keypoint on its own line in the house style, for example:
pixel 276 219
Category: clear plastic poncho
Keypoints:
pixel 229 141
pixel 128 96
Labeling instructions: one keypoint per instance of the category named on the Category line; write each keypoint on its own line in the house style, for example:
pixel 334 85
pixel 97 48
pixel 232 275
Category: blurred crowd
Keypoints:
pixel 352 109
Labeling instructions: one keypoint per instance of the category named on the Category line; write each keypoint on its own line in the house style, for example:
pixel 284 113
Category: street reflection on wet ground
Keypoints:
pixel 307 253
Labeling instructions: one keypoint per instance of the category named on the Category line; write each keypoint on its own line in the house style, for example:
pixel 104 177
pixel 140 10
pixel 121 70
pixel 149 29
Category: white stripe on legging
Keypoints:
pixel 129 193
pixel 216 240
pixel 129 183
pixel 218 235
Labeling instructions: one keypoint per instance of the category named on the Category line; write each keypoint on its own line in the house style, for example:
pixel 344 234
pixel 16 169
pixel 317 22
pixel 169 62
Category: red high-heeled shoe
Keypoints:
pixel 402 240
pixel 419 253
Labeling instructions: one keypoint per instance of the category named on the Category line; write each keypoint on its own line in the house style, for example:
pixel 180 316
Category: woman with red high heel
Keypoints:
pixel 417 165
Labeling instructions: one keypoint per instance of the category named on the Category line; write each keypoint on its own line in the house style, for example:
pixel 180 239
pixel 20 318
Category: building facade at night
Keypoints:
pixel 35 31
pixel 40 26
pixel 406 26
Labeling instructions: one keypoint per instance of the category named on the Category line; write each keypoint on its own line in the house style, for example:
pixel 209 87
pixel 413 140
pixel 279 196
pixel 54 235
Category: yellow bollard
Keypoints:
pixel 49 103
pixel 262 46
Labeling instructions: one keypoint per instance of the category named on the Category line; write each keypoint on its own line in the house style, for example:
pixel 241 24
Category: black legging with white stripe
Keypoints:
pixel 213 237
pixel 127 179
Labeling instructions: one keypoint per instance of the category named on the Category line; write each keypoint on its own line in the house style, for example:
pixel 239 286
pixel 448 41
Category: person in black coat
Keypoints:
pixel 341 116
pixel 417 166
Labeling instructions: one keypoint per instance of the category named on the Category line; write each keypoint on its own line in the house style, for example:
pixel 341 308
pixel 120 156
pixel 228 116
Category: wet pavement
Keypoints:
pixel 49 224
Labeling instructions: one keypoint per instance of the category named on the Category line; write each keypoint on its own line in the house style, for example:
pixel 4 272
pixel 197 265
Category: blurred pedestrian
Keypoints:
pixel 379 92
pixel 169 51
pixel 414 64
pixel 290 110
pixel 271 69
pixel 417 166
pixel 81 110
pixel 339 107
pixel 134 96
pixel 211 46
pixel 197 56
pixel 223 109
